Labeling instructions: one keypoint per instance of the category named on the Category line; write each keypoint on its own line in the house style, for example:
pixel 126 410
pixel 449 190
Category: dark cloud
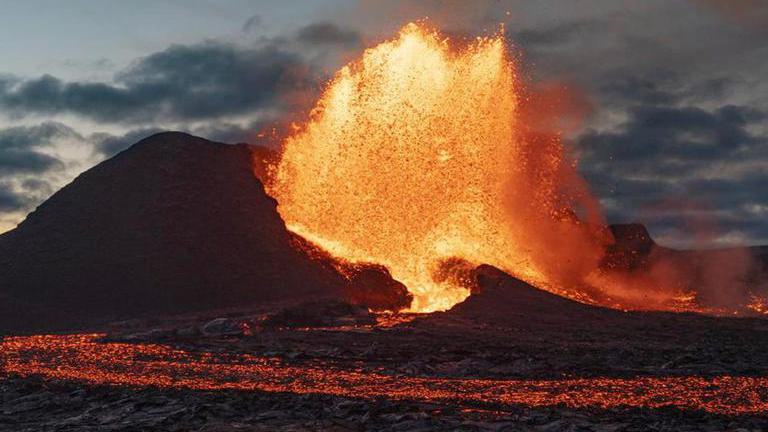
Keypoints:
pixel 680 116
pixel 183 82
pixel 256 132
pixel 38 186
pixel 109 145
pixel 99 64
pixel 20 148
pixel 14 161
pixel 679 93
pixel 624 89
pixel 722 206
pixel 327 33
pixel 6 82
pixel 740 195
pixel 24 164
pixel 669 165
pixel 674 133
pixel 558 34
pixel 40 135
pixel 637 90
pixel 752 14
pixel 11 201
pixel 231 133
pixel 210 80
pixel 252 24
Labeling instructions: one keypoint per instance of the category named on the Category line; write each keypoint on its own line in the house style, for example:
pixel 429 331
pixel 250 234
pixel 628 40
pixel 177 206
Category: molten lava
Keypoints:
pixel 81 358
pixel 417 157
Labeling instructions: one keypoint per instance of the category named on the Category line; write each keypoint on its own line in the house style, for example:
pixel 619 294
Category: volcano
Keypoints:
pixel 174 223
pixel 418 251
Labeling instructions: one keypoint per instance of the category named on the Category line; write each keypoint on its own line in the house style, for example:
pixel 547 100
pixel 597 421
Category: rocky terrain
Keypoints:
pixel 34 405
pixel 610 370
pixel 507 329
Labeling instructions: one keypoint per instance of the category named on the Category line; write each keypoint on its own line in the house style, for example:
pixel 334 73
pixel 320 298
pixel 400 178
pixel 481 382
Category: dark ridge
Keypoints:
pixel 365 284
pixel 372 285
pixel 263 158
pixel 633 235
pixel 505 300
pixel 632 247
pixel 172 224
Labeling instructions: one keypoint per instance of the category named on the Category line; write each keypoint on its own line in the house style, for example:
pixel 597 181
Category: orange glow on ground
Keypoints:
pixel 80 358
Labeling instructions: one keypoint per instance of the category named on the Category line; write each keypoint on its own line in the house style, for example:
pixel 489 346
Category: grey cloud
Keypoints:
pixel 327 33
pixel 39 135
pixel 99 64
pixel 37 185
pixel 664 159
pixel 187 82
pixel 558 34
pixel 232 133
pixel 622 88
pixel 10 201
pixel 109 145
pixel 648 52
pixel 678 121
pixel 252 23
pixel 210 80
pixel 637 90
pixel 23 164
pixel 752 14
pixel 736 194
pixel 20 148
pixel 690 133
pixel 14 161
pixel 6 82
pixel 678 91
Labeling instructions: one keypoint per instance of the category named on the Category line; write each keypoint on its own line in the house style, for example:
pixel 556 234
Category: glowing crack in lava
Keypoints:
pixel 416 158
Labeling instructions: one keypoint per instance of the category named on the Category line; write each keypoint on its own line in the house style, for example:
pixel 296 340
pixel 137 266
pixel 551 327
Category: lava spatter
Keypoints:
pixel 416 156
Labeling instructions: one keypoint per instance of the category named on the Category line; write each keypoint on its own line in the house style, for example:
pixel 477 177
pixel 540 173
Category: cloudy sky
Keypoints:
pixel 673 94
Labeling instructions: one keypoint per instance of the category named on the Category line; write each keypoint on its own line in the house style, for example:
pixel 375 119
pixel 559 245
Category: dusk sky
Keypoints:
pixel 672 92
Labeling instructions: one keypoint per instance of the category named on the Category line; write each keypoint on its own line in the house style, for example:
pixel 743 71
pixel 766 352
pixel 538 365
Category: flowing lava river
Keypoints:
pixel 82 358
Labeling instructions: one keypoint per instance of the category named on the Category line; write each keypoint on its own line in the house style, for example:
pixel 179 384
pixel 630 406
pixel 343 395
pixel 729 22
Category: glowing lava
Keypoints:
pixel 81 358
pixel 417 157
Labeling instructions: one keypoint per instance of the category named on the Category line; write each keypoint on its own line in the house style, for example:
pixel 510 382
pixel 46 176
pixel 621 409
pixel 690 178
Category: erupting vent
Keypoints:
pixel 417 157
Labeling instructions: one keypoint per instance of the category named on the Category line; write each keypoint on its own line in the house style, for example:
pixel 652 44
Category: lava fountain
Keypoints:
pixel 418 157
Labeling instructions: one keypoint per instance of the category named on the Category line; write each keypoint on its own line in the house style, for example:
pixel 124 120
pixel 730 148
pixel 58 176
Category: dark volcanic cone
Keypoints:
pixel 632 248
pixel 371 285
pixel 501 299
pixel 173 224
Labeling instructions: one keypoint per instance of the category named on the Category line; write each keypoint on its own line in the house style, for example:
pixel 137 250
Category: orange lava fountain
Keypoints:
pixel 418 157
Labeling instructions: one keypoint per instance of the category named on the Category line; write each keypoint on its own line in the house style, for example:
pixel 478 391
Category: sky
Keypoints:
pixel 670 96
